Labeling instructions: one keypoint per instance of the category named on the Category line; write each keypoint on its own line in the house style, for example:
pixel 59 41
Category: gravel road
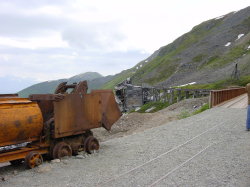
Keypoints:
pixel 208 149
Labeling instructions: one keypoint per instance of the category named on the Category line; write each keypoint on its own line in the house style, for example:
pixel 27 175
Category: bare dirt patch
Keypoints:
pixel 137 122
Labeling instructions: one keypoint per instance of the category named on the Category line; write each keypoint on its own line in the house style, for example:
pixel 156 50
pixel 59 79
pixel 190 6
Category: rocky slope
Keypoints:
pixel 206 54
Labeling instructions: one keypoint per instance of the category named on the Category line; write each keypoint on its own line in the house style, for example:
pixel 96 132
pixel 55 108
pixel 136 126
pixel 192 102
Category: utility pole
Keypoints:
pixel 235 73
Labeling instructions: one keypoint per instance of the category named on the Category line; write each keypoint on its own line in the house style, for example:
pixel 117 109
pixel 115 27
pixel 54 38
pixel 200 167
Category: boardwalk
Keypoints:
pixel 238 102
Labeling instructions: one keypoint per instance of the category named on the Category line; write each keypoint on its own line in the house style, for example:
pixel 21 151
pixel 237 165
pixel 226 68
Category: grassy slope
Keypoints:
pixel 44 87
pixel 164 65
pixel 118 79
pixel 49 86
pixel 167 61
pixel 221 84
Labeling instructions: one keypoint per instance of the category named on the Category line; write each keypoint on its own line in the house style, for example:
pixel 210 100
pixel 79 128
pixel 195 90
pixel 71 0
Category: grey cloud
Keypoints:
pixel 42 51
pixel 93 36
pixel 107 63
pixel 88 36
pixel 84 39
pixel 33 3
pixel 19 25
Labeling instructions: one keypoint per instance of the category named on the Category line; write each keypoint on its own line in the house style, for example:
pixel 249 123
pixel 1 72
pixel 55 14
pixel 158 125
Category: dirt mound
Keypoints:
pixel 137 122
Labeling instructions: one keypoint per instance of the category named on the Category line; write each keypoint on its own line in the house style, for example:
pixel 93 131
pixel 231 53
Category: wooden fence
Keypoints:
pixel 220 96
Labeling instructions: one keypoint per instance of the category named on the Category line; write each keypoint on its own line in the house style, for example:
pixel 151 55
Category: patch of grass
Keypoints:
pixel 246 22
pixel 158 106
pixel 184 114
pixel 198 58
pixel 232 55
pixel 131 111
pixel 222 84
pixel 118 79
pixel 209 61
pixel 202 109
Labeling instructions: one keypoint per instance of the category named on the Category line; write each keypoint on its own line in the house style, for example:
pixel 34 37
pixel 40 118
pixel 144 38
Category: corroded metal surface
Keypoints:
pixel 8 95
pixel 21 153
pixel 20 121
pixel 91 144
pixel 61 149
pixel 77 113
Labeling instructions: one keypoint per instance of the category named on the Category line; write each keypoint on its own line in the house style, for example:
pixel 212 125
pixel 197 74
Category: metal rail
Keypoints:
pixel 220 96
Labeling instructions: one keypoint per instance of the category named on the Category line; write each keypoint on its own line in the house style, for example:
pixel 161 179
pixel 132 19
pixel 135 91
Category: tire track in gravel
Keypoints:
pixel 132 176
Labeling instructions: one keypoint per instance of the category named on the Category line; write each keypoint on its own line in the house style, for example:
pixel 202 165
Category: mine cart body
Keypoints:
pixel 54 124
pixel 20 121
pixel 77 113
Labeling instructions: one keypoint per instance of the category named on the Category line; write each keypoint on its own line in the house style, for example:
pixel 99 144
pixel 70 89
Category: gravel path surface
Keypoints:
pixel 209 149
pixel 237 102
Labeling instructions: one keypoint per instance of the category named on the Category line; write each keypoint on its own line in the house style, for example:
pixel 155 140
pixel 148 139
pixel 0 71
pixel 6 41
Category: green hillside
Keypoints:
pixel 200 55
pixel 49 86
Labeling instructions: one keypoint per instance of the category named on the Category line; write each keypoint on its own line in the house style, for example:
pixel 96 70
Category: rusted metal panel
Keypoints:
pixel 21 153
pixel 109 108
pixel 10 101
pixel 77 113
pixel 20 121
pixel 8 95
pixel 220 96
pixel 45 103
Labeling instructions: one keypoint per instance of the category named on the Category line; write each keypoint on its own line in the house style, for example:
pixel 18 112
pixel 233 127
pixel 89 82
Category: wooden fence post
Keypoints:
pixel 171 100
pixel 186 94
pixel 178 95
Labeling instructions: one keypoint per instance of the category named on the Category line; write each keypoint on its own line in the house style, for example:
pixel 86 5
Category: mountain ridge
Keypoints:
pixel 207 53
pixel 200 55
pixel 48 87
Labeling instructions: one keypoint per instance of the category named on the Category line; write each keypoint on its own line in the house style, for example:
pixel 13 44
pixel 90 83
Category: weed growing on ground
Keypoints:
pixel 159 105
pixel 185 114
pixel 202 109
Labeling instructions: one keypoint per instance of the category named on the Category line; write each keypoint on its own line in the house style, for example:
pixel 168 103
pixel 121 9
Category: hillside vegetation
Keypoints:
pixel 206 54
pixel 95 80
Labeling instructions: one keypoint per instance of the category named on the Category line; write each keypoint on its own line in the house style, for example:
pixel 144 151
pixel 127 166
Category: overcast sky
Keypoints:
pixel 51 39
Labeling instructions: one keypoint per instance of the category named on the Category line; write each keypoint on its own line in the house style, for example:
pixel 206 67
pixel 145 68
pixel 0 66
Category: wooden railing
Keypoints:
pixel 219 96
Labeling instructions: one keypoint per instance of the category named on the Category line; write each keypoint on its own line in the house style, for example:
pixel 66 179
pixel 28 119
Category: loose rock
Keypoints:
pixel 55 161
pixel 5 178
pixel 44 168
pixel 79 157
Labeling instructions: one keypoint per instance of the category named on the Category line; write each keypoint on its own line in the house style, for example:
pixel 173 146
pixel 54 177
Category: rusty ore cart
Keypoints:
pixel 55 125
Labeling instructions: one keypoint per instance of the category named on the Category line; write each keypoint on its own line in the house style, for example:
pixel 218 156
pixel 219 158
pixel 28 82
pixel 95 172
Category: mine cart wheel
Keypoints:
pixel 91 144
pixel 62 149
pixel 33 159
pixel 16 162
